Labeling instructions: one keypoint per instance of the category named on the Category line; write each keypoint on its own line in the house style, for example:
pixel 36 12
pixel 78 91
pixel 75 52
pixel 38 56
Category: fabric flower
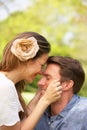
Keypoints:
pixel 25 49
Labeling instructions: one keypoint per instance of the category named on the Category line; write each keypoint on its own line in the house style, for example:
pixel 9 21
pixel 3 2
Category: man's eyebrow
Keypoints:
pixel 46 75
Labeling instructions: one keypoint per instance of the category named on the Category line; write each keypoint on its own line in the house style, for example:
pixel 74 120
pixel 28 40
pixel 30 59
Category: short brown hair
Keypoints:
pixel 70 69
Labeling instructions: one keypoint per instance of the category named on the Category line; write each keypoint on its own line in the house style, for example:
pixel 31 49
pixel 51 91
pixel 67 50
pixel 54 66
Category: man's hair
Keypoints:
pixel 70 69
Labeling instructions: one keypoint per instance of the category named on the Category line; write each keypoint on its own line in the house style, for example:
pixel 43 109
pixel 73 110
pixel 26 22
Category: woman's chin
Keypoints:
pixel 30 80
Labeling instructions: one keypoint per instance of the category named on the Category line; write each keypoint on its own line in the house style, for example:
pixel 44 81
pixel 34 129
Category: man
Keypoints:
pixel 70 111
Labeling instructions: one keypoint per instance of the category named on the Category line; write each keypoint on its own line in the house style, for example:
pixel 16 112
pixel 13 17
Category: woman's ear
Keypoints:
pixel 67 85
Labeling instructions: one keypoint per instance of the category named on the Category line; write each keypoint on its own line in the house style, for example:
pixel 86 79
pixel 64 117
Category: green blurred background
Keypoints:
pixel 62 22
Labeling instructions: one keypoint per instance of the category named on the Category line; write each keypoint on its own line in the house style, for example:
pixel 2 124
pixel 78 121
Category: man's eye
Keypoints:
pixel 48 78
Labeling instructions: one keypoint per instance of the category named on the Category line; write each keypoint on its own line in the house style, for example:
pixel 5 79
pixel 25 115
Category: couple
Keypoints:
pixel 22 60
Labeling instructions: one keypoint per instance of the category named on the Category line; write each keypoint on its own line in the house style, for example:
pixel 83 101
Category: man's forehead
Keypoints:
pixel 51 69
pixel 48 71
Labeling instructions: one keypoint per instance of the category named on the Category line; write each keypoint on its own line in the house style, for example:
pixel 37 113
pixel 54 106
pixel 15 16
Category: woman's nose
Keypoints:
pixel 40 73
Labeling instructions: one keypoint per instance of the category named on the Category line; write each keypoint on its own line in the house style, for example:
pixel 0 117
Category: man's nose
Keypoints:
pixel 41 82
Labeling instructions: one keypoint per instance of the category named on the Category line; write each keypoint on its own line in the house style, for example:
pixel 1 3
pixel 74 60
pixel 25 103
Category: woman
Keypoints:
pixel 22 60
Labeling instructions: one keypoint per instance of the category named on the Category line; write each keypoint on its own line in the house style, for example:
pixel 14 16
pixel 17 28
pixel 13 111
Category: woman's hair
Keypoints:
pixel 10 61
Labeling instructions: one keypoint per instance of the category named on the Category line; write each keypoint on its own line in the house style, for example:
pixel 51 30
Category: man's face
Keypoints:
pixel 50 73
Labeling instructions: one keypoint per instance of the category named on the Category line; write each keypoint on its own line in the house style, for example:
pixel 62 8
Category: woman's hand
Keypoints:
pixel 53 92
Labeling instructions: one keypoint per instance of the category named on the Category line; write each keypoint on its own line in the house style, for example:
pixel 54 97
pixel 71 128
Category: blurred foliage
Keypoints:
pixel 63 23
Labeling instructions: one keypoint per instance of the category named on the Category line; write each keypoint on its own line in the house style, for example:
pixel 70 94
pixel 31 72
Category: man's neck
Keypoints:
pixel 58 106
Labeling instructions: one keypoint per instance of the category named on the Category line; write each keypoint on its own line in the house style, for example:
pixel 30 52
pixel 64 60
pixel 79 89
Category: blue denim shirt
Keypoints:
pixel 73 117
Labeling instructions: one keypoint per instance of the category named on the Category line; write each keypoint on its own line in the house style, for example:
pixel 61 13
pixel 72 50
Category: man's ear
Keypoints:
pixel 67 85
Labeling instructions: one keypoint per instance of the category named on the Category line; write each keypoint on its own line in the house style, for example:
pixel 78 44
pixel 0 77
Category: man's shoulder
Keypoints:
pixel 82 101
pixel 78 111
pixel 80 106
pixel 83 98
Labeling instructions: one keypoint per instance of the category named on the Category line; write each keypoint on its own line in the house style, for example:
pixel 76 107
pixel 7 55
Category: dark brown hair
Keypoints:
pixel 70 69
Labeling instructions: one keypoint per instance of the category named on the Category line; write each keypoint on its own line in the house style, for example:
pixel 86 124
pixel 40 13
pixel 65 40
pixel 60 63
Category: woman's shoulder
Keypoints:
pixel 4 81
pixel 6 86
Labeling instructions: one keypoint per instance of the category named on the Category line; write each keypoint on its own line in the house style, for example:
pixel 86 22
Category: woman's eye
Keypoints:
pixel 43 67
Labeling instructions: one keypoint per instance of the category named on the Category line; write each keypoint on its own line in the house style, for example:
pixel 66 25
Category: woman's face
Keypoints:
pixel 34 67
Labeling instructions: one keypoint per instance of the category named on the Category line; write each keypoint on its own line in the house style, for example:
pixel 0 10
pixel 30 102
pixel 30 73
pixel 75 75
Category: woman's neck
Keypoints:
pixel 14 75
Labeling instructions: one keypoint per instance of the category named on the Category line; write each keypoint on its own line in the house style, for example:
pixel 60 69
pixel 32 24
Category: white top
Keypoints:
pixel 9 102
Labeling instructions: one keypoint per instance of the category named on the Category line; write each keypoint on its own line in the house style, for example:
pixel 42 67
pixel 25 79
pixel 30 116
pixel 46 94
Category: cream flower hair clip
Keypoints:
pixel 25 49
